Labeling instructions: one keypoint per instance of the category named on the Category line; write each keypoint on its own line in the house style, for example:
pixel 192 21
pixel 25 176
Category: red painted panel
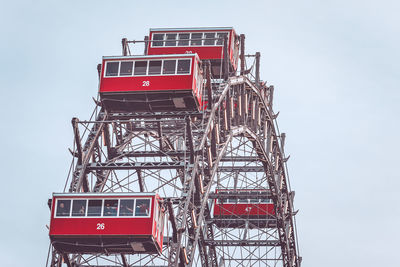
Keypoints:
pixel 204 52
pixel 156 83
pixel 242 209
pixel 158 232
pixel 196 91
pixel 112 226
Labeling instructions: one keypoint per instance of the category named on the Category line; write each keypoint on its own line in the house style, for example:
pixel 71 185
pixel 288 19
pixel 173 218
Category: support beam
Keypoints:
pixel 258 55
pixel 208 86
pixel 150 115
pixel 237 243
pixel 77 138
pixel 79 179
pixel 210 235
pixel 235 181
pixel 124 260
pixel 140 180
pixel 241 195
pixel 125 47
pixel 143 154
pixel 241 169
pixel 214 140
pixel 107 140
pixel 135 165
pixel 226 59
pixel 179 153
pixel 242 57
pixel 160 136
pixel 66 260
pixel 99 70
pixel 146 43
pixel 173 221
pixel 228 109
pixel 189 139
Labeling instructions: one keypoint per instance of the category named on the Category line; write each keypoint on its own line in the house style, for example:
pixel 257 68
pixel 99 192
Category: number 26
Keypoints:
pixel 101 226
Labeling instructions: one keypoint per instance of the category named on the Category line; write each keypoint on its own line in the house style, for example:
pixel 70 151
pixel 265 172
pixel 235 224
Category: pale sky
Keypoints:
pixel 335 67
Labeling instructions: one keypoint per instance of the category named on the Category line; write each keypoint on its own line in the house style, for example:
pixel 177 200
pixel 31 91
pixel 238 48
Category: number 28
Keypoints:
pixel 146 83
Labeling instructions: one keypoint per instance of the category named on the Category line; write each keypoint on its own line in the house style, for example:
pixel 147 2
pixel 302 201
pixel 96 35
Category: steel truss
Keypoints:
pixel 185 156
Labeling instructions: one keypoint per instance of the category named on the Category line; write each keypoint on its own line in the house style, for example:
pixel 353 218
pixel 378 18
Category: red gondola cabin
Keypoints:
pixel 151 83
pixel 110 223
pixel 208 43
pixel 241 204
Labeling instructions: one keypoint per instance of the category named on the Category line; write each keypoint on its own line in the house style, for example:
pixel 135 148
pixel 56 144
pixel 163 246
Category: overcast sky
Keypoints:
pixel 335 67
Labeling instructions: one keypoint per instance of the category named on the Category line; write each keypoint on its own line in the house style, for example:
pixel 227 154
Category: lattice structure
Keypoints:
pixel 186 157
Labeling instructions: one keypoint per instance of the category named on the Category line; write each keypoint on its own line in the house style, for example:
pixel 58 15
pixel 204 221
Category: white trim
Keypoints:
pixel 150 209
pixel 190 67
pixel 151 56
pixel 102 214
pixel 103 195
pixel 102 210
pixel 134 66
pixel 56 208
pixel 106 66
pixel 162 67
pixel 78 199
pixel 120 65
pixel 171 40
pixel 102 207
pixel 192 29
pixel 211 39
pixel 259 201
pixel 197 39
pixel 154 41
pixel 133 211
pixel 119 206
pixel 181 40
pixel 87 207
pixel 164 40
pixel 148 66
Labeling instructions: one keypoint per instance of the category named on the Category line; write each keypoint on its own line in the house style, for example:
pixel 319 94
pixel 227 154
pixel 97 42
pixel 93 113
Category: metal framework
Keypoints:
pixel 184 156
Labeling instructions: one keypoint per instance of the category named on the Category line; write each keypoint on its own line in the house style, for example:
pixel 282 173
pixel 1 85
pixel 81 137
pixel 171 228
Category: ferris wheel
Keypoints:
pixel 181 163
